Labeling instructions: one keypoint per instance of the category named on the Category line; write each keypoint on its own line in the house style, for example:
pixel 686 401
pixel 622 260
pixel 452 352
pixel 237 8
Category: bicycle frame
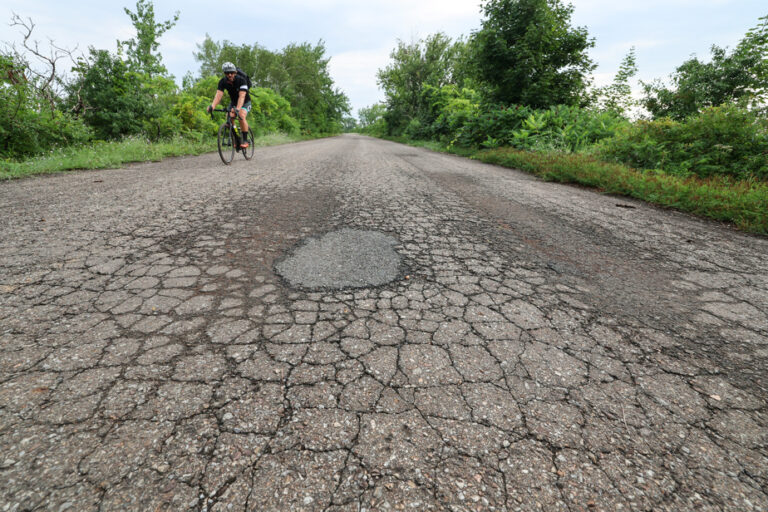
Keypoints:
pixel 230 125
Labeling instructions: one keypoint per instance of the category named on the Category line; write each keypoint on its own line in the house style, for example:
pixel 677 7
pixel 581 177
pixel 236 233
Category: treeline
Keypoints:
pixel 523 80
pixel 298 73
pixel 109 95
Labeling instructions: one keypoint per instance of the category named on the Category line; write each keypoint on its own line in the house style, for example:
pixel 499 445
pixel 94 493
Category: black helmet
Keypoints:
pixel 228 67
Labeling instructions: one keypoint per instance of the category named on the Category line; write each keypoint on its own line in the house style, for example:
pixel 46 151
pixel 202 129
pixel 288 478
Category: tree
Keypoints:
pixel 48 82
pixel 349 124
pixel 299 73
pixel 308 86
pixel 120 96
pixel 31 119
pixel 527 53
pixel 110 95
pixel 371 119
pixel 617 97
pixel 142 51
pixel 368 116
pixel 740 76
pixel 463 69
pixel 258 62
pixel 414 67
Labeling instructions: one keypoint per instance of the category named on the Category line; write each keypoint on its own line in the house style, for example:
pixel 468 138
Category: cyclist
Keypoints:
pixel 237 87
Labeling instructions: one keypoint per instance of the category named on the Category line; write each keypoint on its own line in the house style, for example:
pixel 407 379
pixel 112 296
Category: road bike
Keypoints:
pixel 229 138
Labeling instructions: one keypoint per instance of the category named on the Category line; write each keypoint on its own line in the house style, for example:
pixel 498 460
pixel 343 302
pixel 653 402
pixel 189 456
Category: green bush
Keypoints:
pixel 371 120
pixel 497 122
pixel 721 141
pixel 28 124
pixel 160 122
pixel 191 103
pixel 32 132
pixel 118 102
pixel 452 107
pixel 562 128
pixel 271 113
pixel 415 130
pixel 105 93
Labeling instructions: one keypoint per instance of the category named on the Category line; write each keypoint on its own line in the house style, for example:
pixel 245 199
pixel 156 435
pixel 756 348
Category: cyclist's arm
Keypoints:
pixel 217 98
pixel 240 99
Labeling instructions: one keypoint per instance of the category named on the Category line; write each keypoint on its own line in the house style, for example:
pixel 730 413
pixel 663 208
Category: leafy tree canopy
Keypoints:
pixel 617 97
pixel 527 53
pixel 298 72
pixel 740 76
pixel 142 50
pixel 120 96
pixel 414 68
pixel 108 97
pixel 368 116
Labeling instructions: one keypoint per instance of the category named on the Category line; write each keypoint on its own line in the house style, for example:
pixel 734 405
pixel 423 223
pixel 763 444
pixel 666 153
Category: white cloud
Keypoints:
pixel 174 43
pixel 355 71
pixel 356 66
pixel 602 79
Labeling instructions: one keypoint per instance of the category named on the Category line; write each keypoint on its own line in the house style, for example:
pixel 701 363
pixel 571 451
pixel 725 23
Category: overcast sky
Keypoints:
pixel 360 34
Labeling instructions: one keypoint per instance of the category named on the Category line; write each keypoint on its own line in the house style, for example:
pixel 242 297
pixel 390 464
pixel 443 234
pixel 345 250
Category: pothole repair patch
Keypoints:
pixel 347 258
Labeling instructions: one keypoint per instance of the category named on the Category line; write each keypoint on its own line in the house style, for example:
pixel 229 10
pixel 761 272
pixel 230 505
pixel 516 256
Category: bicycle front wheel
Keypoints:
pixel 248 152
pixel 226 143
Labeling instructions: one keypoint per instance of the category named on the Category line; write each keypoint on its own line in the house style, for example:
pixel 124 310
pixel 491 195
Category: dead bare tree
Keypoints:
pixel 49 81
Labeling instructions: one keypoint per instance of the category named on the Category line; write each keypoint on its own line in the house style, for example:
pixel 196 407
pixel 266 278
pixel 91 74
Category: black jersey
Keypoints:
pixel 234 87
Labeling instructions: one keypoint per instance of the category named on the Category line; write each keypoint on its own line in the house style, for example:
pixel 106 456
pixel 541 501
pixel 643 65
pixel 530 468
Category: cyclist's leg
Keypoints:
pixel 243 122
pixel 231 109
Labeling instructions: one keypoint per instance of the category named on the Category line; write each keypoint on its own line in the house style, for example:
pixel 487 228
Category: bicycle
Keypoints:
pixel 229 139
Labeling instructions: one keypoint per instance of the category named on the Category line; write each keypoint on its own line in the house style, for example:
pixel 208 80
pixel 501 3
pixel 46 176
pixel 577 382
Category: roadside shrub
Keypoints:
pixel 160 122
pixel 453 108
pixel 31 132
pixel 565 128
pixel 28 125
pixel 721 141
pixel 378 128
pixel 562 128
pixel 118 102
pixel 497 122
pixel 190 110
pixel 415 130
pixel 104 92
pixel 271 113
pixel 371 120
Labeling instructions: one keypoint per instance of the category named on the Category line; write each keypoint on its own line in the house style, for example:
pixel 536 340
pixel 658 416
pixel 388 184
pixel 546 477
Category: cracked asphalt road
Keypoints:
pixel 544 347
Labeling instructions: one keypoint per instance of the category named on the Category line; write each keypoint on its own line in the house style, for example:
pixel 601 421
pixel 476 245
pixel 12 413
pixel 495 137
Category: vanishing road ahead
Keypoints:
pixel 351 324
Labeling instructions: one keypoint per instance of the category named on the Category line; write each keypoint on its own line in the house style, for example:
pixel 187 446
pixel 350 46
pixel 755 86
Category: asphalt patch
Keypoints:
pixel 347 258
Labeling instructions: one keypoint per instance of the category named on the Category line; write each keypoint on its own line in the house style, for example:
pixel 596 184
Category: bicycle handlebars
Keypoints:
pixel 219 110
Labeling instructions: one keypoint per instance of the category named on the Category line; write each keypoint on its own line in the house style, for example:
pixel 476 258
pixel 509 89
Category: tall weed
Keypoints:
pixel 721 141
pixel 562 128
pixel 742 202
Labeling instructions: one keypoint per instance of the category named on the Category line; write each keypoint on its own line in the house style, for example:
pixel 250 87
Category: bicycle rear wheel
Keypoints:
pixel 248 152
pixel 226 143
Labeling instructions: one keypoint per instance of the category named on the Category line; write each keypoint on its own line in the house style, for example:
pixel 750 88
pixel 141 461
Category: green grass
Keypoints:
pixel 107 155
pixel 743 203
